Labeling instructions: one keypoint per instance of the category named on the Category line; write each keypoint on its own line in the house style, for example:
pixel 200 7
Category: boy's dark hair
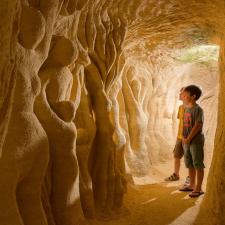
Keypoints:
pixel 194 90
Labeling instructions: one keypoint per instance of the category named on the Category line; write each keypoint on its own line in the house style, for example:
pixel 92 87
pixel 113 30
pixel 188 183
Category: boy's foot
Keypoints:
pixel 195 194
pixel 186 189
pixel 173 177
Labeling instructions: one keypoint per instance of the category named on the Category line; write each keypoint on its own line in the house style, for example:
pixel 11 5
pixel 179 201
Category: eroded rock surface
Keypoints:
pixel 88 101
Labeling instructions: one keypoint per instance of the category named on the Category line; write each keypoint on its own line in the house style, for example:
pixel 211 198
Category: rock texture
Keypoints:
pixel 88 101
pixel 212 208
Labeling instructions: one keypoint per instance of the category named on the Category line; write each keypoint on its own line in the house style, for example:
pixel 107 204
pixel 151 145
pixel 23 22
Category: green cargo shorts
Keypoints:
pixel 194 153
pixel 178 151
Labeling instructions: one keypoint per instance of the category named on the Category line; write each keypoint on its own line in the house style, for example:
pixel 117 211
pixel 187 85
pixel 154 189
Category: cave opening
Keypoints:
pixel 155 94
pixel 154 91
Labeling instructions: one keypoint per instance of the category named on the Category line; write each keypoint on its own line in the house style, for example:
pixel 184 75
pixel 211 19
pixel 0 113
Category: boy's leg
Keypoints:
pixel 176 166
pixel 197 152
pixel 200 175
pixel 192 175
pixel 178 154
pixel 189 164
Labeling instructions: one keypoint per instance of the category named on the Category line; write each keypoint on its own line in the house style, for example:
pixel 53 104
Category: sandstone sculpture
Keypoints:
pixel 56 113
pixel 26 142
pixel 85 135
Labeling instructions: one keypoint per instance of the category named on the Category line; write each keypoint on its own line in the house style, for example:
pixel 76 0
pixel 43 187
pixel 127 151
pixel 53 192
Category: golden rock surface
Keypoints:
pixel 88 102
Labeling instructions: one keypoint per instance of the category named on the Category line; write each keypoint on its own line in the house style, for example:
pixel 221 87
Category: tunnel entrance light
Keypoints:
pixel 203 54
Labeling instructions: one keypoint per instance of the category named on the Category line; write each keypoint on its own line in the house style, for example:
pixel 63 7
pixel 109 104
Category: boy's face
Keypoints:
pixel 187 98
pixel 181 95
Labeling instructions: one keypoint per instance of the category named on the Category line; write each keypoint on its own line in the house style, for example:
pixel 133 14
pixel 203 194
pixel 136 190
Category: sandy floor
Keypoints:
pixel 155 202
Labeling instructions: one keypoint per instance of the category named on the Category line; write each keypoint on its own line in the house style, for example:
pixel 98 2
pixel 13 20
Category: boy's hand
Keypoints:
pixel 186 141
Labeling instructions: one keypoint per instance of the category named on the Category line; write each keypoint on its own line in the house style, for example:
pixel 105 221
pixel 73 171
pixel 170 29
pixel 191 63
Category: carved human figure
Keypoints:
pixel 25 152
pixel 120 183
pixel 86 131
pixel 137 123
pixel 56 113
pixel 102 166
pixel 107 159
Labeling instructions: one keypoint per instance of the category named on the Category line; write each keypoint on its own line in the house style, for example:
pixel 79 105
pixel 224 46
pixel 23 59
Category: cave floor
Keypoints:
pixel 155 202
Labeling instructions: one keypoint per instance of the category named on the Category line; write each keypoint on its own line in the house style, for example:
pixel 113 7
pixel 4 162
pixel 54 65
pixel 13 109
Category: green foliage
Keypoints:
pixel 203 54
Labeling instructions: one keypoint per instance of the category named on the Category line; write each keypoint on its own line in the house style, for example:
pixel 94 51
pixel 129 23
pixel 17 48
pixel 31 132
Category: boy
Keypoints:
pixel 193 139
pixel 178 151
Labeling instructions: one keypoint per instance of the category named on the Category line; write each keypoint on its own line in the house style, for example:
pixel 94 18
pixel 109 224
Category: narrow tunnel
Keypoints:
pixel 159 103
pixel 89 93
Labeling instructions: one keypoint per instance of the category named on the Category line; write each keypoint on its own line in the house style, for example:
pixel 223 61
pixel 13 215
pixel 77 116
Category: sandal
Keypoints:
pixel 187 182
pixel 195 194
pixel 173 177
pixel 186 189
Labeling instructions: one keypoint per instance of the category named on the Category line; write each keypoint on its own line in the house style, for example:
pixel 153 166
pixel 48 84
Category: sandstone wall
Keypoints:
pixel 88 99
pixel 212 209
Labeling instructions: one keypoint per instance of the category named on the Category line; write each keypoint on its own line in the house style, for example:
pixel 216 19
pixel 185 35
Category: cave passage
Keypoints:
pixel 89 93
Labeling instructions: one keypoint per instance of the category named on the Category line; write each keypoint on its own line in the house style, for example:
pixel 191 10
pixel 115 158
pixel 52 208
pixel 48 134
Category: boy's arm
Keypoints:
pixel 196 128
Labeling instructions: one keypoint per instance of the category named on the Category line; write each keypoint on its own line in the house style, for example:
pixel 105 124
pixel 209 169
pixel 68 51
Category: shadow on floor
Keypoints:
pixel 153 204
pixel 156 204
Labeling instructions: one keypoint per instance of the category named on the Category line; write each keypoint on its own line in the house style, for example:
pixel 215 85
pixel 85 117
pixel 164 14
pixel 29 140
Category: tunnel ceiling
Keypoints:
pixel 173 24
pixel 139 29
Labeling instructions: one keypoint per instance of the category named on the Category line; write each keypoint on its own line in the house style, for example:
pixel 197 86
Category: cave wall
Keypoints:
pixel 212 208
pixel 84 100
